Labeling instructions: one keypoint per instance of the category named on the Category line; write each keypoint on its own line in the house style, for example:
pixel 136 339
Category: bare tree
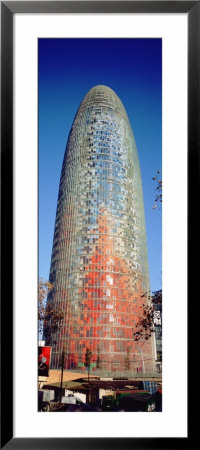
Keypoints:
pixel 158 189
pixel 127 359
pixel 145 325
pixel 49 317
pixel 88 356
pixel 99 363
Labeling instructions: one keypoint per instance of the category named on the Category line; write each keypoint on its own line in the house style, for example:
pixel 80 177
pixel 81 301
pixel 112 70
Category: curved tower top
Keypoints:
pixel 99 266
pixel 104 96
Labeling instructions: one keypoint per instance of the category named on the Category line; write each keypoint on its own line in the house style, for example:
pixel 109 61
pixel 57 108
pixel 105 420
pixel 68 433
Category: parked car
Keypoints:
pixel 45 397
pixel 78 407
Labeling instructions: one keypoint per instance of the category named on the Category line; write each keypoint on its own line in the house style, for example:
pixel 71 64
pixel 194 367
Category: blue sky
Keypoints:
pixel 67 69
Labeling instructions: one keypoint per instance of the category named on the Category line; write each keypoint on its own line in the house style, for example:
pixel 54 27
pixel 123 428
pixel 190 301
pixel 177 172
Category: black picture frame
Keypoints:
pixel 8 9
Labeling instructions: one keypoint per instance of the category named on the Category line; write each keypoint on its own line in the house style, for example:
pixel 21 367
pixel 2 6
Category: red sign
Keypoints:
pixel 43 361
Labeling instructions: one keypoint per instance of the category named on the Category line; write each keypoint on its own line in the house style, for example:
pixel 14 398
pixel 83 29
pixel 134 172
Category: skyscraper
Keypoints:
pixel 99 265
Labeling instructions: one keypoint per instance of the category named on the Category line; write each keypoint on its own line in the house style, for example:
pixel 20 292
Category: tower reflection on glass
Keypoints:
pixel 99 265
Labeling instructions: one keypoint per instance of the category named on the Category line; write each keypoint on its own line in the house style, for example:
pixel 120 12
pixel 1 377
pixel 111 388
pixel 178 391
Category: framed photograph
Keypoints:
pixel 142 59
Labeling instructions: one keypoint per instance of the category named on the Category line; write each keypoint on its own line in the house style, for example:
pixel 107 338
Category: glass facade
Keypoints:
pixel 99 266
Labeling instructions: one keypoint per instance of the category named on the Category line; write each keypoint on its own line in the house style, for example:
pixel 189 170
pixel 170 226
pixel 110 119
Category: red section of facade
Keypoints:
pixel 109 307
